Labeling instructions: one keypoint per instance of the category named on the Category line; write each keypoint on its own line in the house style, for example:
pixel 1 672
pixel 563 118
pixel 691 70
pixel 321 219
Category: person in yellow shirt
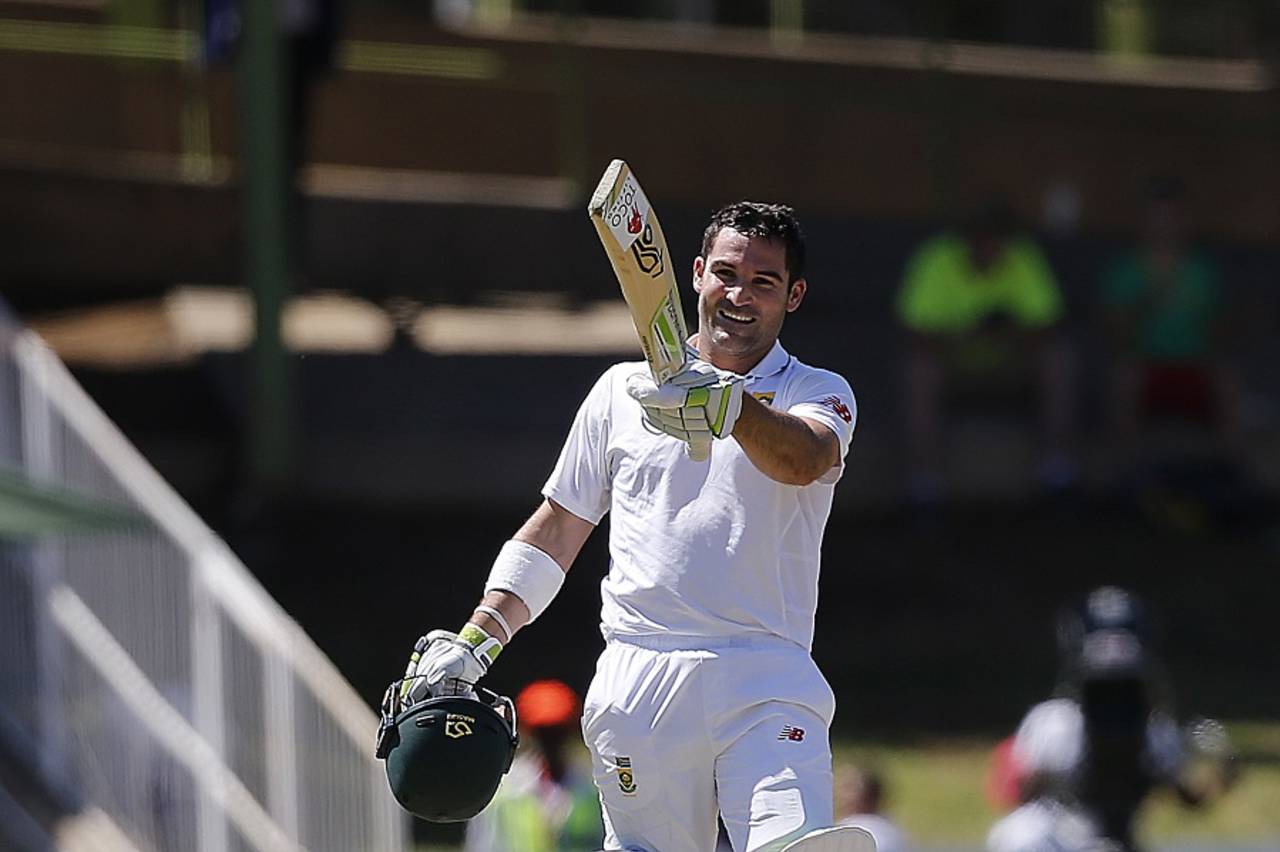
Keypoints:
pixel 546 802
pixel 983 312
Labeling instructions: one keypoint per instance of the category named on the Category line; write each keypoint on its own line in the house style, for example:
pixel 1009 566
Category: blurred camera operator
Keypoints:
pixel 1083 763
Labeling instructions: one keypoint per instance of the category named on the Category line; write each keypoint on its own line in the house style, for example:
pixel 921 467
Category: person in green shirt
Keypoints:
pixel 983 312
pixel 546 802
pixel 1163 306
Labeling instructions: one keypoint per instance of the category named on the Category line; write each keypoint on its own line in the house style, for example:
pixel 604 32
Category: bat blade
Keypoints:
pixel 637 249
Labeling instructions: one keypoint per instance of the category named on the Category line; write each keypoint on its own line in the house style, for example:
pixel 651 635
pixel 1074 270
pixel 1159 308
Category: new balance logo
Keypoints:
pixel 792 733
pixel 842 411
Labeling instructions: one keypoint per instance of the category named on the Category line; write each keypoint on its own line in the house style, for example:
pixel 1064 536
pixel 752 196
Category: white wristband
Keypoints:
pixel 493 613
pixel 528 573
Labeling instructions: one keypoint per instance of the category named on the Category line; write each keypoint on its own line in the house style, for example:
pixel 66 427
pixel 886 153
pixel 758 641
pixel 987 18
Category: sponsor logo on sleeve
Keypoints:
pixel 835 404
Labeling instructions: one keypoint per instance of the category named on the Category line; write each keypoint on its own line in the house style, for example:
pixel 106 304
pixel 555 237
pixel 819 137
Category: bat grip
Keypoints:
pixel 699 451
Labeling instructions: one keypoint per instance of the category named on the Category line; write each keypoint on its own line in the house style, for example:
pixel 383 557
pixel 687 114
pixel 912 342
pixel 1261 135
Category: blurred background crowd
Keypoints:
pixel 291 247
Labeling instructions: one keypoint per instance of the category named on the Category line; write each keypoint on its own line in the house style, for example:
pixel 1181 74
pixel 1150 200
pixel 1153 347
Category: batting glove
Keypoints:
pixel 447 663
pixel 698 403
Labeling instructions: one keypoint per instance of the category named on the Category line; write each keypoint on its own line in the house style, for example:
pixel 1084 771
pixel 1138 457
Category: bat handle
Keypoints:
pixel 699 451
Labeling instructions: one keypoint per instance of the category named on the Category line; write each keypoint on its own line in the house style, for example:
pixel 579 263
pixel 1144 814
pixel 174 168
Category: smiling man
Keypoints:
pixel 706 700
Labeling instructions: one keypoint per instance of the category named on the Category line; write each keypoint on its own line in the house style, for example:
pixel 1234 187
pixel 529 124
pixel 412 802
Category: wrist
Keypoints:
pixel 489 617
pixel 485 647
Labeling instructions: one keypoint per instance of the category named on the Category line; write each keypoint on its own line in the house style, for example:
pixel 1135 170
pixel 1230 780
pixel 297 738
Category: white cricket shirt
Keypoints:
pixel 711 549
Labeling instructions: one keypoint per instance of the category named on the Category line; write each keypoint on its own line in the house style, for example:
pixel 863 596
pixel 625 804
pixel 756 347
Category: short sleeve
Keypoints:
pixel 827 398
pixel 580 481
pixel 1039 302
pixel 923 303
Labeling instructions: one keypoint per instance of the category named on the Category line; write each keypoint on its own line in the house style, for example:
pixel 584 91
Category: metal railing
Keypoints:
pixel 146 673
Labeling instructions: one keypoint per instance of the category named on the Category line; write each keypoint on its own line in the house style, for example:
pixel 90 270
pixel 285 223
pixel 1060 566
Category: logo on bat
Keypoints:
pixel 648 256
pixel 636 222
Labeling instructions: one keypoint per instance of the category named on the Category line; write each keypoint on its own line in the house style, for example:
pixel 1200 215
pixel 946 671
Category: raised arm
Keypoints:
pixel 789 449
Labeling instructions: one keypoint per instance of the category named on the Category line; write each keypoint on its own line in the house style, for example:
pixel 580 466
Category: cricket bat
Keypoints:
pixel 637 249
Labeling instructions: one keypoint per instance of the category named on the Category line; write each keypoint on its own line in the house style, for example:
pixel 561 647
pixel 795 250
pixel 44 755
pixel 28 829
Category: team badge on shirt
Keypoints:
pixel 792 733
pixel 626 779
pixel 765 396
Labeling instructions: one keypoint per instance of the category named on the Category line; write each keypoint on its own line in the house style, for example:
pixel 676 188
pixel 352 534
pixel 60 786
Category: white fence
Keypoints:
pixel 145 672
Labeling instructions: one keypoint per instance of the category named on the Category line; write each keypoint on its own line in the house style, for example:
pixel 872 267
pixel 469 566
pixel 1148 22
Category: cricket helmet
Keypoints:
pixel 445 756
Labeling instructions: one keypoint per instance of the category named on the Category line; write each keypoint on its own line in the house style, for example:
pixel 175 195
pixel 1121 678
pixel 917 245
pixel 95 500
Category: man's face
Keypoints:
pixel 743 298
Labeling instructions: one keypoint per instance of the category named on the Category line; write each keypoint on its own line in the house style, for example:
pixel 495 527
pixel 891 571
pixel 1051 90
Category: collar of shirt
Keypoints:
pixel 770 365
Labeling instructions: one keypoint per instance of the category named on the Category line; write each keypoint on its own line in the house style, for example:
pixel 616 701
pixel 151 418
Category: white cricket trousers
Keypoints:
pixel 677 734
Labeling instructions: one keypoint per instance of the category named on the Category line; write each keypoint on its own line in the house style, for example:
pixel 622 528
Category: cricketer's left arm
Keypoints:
pixel 786 448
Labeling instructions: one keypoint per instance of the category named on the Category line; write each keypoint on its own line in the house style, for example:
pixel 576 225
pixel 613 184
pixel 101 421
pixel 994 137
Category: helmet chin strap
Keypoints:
pixel 388 734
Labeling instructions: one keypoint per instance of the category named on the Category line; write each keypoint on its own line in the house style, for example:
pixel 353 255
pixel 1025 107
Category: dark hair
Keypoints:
pixel 768 221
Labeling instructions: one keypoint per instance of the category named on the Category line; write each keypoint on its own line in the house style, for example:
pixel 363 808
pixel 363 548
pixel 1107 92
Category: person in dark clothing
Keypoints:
pixel 1084 762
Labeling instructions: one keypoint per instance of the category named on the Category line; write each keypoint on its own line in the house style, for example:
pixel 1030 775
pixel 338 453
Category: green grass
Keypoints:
pixel 935 790
pixel 1249 810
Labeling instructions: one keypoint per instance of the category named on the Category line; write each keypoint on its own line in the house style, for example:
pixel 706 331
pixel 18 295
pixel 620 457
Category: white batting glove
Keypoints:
pixel 695 405
pixel 447 663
